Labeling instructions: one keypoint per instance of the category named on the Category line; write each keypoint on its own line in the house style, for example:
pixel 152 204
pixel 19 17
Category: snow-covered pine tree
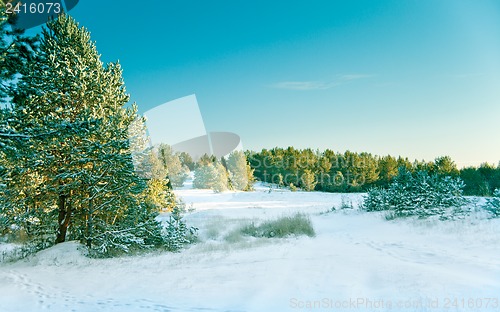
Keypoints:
pixel 376 199
pixel 419 194
pixel 158 192
pixel 79 174
pixel 177 173
pixel 150 168
pixel 211 176
pixel 240 173
pixel 493 204
pixel 139 146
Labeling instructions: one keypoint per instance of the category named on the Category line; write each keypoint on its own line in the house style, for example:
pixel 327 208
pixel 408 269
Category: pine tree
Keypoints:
pixel 419 194
pixel 388 169
pixel 206 159
pixel 186 160
pixel 211 176
pixel 493 204
pixel 445 166
pixel 324 167
pixel 79 174
pixel 177 173
pixel 139 147
pixel 67 91
pixel 239 171
pixel 150 168
pixel 475 183
pixel 308 180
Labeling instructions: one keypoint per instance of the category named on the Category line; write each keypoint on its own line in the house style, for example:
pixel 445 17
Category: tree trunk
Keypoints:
pixel 169 184
pixel 63 219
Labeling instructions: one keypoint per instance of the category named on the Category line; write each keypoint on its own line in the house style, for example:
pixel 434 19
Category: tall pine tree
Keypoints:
pixel 79 174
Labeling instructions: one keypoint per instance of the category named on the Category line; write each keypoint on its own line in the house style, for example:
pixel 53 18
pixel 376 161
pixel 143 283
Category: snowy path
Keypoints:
pixel 355 262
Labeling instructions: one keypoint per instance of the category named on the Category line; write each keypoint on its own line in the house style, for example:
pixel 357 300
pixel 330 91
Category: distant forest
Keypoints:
pixel 330 171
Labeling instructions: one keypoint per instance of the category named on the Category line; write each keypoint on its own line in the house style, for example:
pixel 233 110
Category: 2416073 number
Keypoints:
pixel 471 303
pixel 33 8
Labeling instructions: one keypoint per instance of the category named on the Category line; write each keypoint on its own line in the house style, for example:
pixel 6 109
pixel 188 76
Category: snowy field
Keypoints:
pixel 357 262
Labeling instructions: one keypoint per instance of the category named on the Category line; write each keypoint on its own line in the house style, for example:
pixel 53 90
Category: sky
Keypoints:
pixel 416 78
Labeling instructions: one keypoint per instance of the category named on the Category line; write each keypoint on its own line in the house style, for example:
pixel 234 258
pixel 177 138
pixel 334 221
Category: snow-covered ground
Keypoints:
pixel 357 261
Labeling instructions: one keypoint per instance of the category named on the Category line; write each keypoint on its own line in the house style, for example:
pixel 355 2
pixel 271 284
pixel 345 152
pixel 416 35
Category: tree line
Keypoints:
pixel 331 171
pixel 227 173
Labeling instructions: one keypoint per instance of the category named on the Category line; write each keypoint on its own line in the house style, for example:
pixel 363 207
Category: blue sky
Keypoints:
pixel 412 78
